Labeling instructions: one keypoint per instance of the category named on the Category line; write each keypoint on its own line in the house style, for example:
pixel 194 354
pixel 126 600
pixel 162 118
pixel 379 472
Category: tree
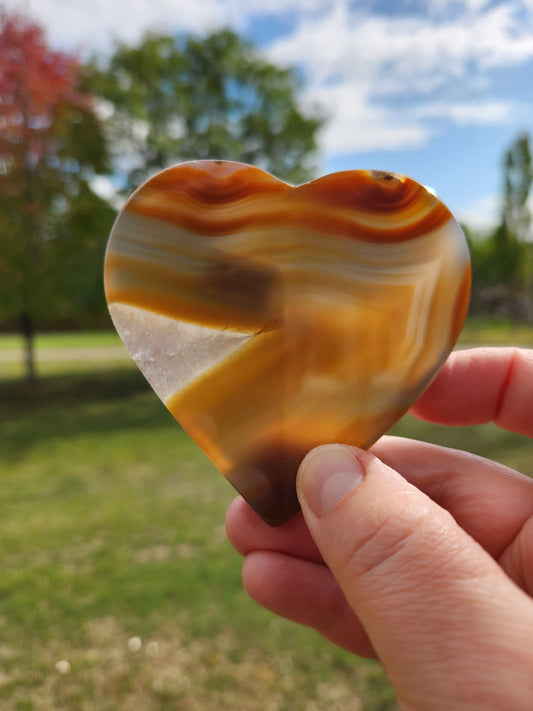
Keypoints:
pixel 508 242
pixel 175 99
pixel 518 176
pixel 503 263
pixel 76 261
pixel 50 144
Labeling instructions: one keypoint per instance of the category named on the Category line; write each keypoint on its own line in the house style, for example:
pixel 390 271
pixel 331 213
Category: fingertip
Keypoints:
pixel 257 575
pixel 326 475
pixel 247 532
pixel 236 510
pixel 480 385
pixel 240 521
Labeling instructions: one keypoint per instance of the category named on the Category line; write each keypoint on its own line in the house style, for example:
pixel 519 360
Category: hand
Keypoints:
pixel 419 555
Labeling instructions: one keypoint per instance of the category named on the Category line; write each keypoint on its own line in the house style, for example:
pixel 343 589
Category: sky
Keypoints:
pixel 434 89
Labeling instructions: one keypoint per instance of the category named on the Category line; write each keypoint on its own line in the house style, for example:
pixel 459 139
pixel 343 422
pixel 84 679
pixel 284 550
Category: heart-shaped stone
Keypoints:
pixel 270 319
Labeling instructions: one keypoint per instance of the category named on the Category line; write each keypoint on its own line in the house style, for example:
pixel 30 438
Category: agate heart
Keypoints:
pixel 270 319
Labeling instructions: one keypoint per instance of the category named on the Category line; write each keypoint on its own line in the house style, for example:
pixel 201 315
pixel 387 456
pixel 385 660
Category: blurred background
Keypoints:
pixel 117 585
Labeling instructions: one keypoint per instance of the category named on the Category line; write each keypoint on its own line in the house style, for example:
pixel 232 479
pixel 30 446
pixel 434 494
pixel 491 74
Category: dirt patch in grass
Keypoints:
pixel 117 669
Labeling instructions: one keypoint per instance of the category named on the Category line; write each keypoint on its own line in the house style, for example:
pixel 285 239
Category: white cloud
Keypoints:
pixel 476 113
pixel 482 215
pixel 452 30
pixel 86 26
pixel 276 7
pixel 89 26
pixel 446 6
pixel 382 78
pixel 361 126
pixel 406 52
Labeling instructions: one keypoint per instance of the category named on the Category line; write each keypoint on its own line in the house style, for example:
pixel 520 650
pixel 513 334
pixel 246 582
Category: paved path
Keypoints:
pixel 84 353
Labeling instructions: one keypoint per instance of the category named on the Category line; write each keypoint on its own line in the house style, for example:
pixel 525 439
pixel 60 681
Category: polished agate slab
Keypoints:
pixel 270 319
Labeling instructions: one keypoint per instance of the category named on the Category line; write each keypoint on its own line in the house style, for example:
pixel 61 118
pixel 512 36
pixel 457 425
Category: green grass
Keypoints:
pixel 75 366
pixel 67 339
pixel 64 353
pixel 112 529
pixel 478 330
pixel 496 331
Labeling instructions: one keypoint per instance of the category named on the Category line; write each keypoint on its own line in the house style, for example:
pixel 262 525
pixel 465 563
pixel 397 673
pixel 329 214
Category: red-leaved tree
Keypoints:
pixel 50 146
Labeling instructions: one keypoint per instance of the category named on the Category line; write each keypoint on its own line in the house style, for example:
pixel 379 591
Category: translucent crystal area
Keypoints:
pixel 270 319
pixel 171 353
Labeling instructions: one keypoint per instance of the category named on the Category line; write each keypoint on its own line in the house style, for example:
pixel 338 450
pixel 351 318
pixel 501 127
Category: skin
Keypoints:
pixel 415 554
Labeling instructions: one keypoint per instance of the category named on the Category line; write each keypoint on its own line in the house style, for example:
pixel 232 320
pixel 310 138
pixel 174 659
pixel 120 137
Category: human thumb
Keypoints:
pixel 439 611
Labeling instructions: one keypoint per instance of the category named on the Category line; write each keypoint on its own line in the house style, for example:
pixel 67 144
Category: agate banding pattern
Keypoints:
pixel 271 318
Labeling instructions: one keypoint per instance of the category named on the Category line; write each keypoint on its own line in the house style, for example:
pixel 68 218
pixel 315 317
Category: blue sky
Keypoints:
pixel 436 90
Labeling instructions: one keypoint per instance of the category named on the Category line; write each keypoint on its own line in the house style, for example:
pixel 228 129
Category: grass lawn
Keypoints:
pixel 118 587
pixel 75 339
pixel 481 330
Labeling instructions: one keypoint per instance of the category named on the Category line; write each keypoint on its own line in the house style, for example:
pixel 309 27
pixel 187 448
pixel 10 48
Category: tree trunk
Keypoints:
pixel 27 330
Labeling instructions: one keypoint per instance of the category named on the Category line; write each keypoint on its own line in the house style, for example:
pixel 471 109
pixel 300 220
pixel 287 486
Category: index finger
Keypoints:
pixel 482 385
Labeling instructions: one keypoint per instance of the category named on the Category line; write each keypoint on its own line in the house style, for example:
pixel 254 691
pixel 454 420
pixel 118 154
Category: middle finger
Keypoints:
pixel 488 500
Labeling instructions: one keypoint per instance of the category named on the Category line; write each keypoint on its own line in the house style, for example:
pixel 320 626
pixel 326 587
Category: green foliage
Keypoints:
pixel 80 235
pixel 505 254
pixel 176 99
pixel 502 263
pixel 498 259
pixel 51 145
pixel 506 249
pixel 518 177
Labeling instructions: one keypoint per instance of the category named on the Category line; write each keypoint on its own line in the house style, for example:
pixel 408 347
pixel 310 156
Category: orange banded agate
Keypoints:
pixel 270 319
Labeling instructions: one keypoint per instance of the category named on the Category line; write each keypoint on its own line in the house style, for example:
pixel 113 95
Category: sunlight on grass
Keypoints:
pixel 113 529
pixel 118 588
pixel 74 339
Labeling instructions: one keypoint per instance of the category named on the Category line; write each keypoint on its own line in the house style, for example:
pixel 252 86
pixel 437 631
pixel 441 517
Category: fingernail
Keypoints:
pixel 327 475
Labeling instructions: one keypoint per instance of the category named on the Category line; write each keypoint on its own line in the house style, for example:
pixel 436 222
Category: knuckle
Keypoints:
pixel 388 544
